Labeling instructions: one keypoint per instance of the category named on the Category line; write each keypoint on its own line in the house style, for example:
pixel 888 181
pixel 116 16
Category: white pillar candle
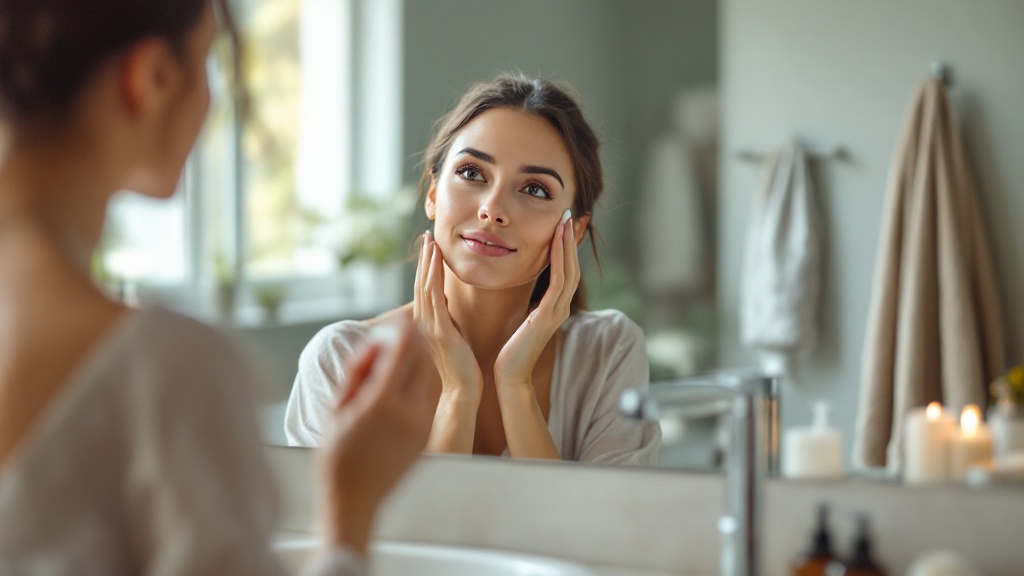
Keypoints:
pixel 970 445
pixel 926 433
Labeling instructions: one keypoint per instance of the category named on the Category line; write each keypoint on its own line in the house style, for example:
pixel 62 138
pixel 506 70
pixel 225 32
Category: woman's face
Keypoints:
pixel 498 197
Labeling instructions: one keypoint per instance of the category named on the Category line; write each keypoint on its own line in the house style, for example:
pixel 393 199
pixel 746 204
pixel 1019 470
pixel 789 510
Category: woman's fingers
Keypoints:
pixel 557 266
pixel 421 275
pixel 357 373
pixel 564 272
pixel 394 365
pixel 571 264
pixel 435 281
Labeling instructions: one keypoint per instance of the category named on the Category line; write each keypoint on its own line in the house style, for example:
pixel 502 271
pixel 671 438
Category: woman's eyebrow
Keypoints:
pixel 477 154
pixel 542 170
pixel 484 156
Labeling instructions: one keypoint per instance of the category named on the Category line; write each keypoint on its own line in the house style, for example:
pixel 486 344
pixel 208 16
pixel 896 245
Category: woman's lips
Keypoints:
pixel 486 246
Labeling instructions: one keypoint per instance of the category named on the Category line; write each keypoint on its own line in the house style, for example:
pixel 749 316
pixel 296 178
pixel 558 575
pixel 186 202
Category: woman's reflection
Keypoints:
pixel 510 181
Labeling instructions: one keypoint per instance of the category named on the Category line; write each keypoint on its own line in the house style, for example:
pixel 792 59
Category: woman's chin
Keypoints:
pixel 488 279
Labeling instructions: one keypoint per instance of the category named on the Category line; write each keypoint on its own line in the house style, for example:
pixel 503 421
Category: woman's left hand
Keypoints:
pixel 514 364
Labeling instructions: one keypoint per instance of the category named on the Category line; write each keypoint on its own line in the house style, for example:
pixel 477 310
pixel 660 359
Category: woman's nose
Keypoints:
pixel 492 208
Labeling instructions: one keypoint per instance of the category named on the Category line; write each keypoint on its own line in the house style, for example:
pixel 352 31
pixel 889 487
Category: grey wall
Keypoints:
pixel 625 58
pixel 842 73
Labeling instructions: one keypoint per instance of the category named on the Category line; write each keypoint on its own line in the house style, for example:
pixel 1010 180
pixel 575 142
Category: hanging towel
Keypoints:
pixel 782 268
pixel 934 331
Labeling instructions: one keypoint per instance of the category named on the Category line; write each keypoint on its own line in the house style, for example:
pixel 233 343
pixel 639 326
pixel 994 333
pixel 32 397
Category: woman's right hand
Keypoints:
pixel 461 378
pixel 380 427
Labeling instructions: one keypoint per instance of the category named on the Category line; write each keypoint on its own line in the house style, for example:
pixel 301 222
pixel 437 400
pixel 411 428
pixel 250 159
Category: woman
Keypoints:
pixel 510 181
pixel 128 442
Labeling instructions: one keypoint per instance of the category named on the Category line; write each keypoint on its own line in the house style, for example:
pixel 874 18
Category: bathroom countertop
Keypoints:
pixel 643 522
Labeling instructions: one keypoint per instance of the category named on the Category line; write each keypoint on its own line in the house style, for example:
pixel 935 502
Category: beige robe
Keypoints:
pixel 934 331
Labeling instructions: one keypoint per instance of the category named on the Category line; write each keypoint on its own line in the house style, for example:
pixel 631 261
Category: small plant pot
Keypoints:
pixel 271 314
pixel 269 298
pixel 1007 424
pixel 226 296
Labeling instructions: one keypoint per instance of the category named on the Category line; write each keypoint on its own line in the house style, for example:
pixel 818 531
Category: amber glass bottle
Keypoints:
pixel 860 563
pixel 819 555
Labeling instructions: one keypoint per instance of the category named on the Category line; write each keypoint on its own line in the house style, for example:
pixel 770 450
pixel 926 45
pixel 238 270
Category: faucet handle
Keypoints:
pixel 728 529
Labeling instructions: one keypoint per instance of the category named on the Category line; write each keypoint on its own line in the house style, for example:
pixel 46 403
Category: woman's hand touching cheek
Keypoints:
pixel 514 364
pixel 461 379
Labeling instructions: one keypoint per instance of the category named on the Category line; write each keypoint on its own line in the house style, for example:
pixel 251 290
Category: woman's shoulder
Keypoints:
pixel 345 335
pixel 159 333
pixel 603 334
pixel 603 324
pixel 158 358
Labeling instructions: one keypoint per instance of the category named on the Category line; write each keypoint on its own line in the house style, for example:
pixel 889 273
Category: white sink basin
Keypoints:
pixel 400 559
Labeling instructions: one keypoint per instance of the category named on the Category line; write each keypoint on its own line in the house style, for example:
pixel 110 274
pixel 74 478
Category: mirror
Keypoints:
pixel 646 73
pixel 835 77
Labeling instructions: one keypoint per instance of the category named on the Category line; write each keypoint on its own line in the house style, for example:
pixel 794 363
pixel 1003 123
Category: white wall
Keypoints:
pixel 842 73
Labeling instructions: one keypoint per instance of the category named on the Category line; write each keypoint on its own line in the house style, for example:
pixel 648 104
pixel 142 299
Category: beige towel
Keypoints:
pixel 934 331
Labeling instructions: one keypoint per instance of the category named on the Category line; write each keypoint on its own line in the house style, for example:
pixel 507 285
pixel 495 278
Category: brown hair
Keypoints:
pixel 49 49
pixel 557 105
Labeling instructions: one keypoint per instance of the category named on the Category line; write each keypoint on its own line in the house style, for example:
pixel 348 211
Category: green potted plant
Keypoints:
pixel 269 297
pixel 374 230
pixel 226 287
pixel 371 241
pixel 1006 416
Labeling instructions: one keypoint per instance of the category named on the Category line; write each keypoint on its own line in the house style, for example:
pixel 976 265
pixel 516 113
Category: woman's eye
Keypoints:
pixel 470 173
pixel 537 191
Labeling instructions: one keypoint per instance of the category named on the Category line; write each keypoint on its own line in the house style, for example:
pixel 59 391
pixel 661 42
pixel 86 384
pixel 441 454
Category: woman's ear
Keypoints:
pixel 579 227
pixel 429 203
pixel 149 77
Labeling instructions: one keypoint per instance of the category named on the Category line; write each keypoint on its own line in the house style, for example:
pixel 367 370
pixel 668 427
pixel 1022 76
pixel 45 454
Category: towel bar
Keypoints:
pixel 833 153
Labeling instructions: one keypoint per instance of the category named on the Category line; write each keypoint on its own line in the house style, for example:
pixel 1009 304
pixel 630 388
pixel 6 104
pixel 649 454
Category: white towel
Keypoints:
pixel 782 269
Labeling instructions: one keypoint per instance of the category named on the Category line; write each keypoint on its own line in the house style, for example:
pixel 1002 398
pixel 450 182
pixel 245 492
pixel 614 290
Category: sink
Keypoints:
pixel 406 559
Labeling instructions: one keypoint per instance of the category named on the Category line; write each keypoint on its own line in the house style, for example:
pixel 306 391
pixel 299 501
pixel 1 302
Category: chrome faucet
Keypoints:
pixel 753 453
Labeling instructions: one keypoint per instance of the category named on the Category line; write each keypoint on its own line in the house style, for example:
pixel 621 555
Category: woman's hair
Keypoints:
pixel 547 100
pixel 49 49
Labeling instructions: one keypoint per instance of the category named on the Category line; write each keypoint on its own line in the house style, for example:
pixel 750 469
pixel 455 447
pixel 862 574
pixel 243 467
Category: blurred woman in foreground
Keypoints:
pixel 128 441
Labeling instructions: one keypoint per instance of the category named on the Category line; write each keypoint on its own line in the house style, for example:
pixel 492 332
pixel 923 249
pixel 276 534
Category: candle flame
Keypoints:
pixel 933 411
pixel 969 419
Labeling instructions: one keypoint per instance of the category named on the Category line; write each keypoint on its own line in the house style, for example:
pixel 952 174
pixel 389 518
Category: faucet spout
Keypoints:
pixel 753 453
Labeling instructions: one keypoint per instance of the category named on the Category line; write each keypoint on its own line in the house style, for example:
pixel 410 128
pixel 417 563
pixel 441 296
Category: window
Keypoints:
pixel 258 198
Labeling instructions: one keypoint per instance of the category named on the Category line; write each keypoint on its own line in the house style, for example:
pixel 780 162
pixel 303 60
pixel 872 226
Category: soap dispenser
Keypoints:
pixel 814 451
pixel 819 556
pixel 860 562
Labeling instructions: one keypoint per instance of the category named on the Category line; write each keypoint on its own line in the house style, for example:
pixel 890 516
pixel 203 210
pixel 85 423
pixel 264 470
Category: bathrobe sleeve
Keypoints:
pixel 321 372
pixel 605 355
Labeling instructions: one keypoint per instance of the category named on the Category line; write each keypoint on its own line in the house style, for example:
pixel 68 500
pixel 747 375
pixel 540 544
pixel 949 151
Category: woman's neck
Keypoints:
pixel 57 191
pixel 486 318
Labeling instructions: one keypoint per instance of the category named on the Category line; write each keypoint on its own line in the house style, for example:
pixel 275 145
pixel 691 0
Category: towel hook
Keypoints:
pixel 941 71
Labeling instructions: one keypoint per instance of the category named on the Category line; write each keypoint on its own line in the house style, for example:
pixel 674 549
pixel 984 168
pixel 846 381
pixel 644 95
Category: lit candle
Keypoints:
pixel 927 432
pixel 971 445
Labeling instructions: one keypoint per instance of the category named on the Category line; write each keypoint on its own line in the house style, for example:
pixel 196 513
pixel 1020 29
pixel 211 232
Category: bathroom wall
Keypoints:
pixel 842 73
